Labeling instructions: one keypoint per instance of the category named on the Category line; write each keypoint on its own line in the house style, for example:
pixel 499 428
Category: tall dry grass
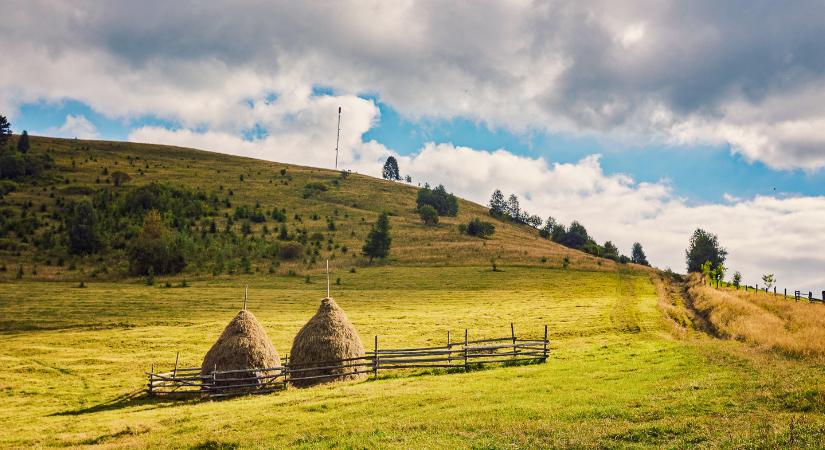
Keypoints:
pixel 765 320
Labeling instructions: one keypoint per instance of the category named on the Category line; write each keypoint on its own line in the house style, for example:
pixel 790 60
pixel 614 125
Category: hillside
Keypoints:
pixel 33 232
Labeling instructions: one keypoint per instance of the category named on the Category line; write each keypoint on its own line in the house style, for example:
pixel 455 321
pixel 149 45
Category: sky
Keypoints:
pixel 642 120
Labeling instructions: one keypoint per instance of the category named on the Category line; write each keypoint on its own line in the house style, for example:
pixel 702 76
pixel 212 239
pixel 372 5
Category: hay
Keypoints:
pixel 242 345
pixel 328 336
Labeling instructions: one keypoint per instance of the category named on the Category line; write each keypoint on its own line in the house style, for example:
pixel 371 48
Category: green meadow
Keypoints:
pixel 620 374
pixel 631 364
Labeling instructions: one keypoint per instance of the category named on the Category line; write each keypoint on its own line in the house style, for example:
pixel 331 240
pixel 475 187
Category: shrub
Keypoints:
pixel 480 228
pixel 290 250
pixel 428 215
pixel 445 204
pixel 155 251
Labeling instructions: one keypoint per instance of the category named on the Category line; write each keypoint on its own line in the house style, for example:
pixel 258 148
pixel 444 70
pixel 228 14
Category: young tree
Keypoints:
pixel 737 279
pixel 119 178
pixel 611 251
pixel 707 270
pixel 428 215
pixel 512 208
pixel 497 204
pixel 480 228
pixel 445 203
pixel 637 255
pixel 390 171
pixel 547 230
pixel 558 233
pixel 5 131
pixel 156 250
pixel 576 236
pixel 379 239
pixel 82 226
pixel 769 280
pixel 23 142
pixel 534 221
pixel 704 246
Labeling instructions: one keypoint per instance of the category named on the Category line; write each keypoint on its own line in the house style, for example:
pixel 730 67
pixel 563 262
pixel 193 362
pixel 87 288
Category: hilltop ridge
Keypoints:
pixel 333 210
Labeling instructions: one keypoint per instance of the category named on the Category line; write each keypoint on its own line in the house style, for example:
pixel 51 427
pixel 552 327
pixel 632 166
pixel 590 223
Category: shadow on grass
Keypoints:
pixel 473 367
pixel 134 398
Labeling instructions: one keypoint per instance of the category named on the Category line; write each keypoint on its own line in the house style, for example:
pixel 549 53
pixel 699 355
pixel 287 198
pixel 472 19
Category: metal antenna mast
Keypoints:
pixel 337 138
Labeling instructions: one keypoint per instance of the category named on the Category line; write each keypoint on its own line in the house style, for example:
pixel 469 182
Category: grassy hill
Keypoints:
pixel 349 200
pixel 638 359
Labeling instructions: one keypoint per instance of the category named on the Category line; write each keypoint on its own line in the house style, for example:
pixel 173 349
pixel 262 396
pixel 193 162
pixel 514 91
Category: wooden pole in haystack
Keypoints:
pixel 245 296
pixel 327 278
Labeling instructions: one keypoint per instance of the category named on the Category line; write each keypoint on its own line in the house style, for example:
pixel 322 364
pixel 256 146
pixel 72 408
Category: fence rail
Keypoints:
pixel 799 296
pixel 462 355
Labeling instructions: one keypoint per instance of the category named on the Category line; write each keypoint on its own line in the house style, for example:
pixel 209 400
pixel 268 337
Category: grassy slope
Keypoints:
pixel 620 375
pixel 763 319
pixel 358 200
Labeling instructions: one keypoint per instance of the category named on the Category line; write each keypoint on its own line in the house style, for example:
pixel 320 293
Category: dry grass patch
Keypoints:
pixel 796 329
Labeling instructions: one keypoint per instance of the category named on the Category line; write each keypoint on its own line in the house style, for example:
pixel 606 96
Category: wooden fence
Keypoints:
pixel 462 355
pixel 797 295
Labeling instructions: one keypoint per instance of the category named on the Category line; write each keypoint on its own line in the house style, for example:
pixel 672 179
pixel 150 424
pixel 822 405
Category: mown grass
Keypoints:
pixel 73 361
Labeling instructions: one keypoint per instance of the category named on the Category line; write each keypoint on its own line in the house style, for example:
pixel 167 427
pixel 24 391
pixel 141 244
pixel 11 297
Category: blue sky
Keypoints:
pixel 698 173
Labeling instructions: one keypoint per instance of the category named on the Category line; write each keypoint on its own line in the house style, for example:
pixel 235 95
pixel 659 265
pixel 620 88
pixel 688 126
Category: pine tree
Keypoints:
pixel 637 255
pixel 379 239
pixel 5 131
pixel 390 171
pixel 23 142
pixel 497 204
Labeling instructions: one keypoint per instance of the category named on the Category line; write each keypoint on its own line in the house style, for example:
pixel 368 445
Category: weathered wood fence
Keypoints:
pixel 462 355
pixel 798 296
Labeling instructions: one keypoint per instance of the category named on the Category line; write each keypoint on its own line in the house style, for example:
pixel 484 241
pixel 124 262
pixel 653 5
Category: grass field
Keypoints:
pixel 620 373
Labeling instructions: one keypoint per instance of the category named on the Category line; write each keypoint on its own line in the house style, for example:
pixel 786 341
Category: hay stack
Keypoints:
pixel 328 336
pixel 242 345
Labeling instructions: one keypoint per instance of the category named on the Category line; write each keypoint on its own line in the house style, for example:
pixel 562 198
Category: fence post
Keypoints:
pixel 823 296
pixel 151 380
pixel 375 360
pixel 810 296
pixel 786 292
pixel 466 343
pixel 513 335
pixel 449 349
pixel 774 290
pixel 545 342
pixel 175 372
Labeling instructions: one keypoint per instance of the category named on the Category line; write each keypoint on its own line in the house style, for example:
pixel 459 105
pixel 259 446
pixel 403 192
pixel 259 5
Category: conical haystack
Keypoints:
pixel 325 340
pixel 242 345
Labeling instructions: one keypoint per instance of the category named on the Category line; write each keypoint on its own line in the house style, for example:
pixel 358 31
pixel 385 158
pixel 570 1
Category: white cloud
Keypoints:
pixel 763 234
pixel 671 71
pixel 75 127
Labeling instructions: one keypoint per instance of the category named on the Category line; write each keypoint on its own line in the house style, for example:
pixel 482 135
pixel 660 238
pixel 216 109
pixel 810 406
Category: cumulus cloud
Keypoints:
pixel 746 73
pixel 75 127
pixel 764 234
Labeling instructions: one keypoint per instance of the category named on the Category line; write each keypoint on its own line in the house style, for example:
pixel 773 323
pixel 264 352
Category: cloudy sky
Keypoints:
pixel 643 120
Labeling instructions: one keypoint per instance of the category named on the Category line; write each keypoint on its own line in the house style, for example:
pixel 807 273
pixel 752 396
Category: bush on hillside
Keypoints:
pixel 480 228
pixel 443 202
pixel 428 215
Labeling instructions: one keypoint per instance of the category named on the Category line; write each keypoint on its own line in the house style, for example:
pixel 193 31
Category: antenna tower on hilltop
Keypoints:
pixel 337 138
